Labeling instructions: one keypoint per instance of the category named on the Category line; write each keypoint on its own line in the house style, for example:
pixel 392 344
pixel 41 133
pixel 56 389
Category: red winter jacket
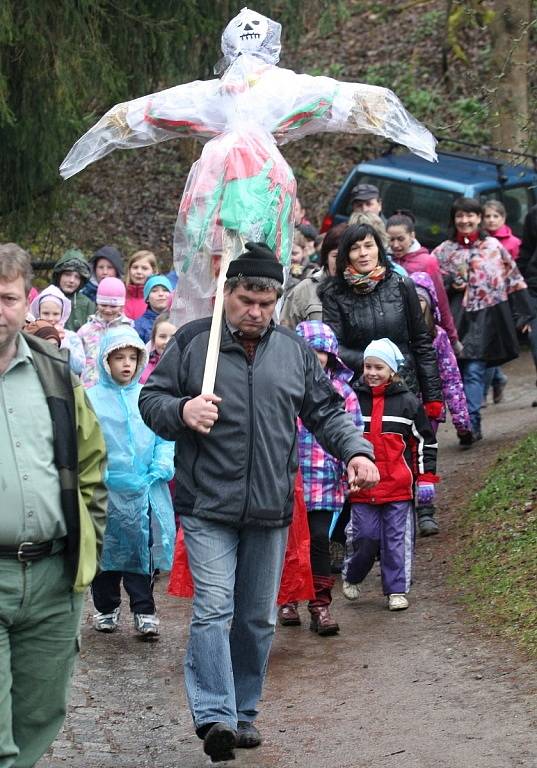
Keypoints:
pixel 421 260
pixel 135 304
pixel 404 442
pixel 510 242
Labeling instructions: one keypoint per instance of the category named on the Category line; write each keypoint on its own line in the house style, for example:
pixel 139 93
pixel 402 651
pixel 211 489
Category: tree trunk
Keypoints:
pixel 445 44
pixel 508 82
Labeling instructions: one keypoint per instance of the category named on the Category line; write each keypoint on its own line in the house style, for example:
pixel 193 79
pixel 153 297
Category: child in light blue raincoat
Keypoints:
pixel 140 528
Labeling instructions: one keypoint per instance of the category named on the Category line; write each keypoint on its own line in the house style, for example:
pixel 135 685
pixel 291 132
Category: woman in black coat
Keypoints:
pixel 367 300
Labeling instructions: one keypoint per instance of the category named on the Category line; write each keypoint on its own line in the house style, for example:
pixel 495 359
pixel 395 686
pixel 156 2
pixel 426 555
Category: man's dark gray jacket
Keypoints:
pixel 243 471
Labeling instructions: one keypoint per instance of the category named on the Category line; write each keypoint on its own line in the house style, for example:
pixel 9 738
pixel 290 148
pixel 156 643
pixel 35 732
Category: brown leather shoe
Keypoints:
pixel 322 621
pixel 288 615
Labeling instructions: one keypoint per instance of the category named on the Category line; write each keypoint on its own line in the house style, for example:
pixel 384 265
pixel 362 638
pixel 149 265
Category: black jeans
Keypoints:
pixel 106 591
pixel 319 522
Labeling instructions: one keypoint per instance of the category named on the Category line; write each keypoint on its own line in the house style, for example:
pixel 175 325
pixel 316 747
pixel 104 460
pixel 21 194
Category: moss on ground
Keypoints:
pixel 496 568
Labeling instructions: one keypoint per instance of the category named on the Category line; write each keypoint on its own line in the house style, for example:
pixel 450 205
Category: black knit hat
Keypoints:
pixel 258 261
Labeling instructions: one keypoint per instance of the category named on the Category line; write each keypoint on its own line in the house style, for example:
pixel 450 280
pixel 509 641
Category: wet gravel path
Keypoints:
pixel 425 688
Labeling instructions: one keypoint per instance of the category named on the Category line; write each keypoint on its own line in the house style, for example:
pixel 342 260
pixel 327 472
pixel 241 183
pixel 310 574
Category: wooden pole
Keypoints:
pixel 230 245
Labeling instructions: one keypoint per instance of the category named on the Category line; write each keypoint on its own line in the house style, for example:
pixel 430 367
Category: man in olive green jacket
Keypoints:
pixel 53 514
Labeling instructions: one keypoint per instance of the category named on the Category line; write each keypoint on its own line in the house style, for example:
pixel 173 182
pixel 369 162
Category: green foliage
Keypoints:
pixel 331 14
pixel 466 117
pixel 422 102
pixel 61 63
pixel 464 15
pixel 380 10
pixel 472 116
pixel 332 69
pixel 497 568
pixel 429 23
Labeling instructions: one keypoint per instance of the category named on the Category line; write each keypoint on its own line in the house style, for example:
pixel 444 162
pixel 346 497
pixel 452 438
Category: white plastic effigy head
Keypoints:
pixel 251 32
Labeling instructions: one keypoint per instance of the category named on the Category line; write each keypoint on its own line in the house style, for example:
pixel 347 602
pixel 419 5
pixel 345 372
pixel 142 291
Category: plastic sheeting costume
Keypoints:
pixel 139 466
pixel 241 188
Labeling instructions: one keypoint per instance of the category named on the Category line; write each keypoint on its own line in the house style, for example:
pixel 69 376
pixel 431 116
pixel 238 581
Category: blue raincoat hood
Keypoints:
pixel 117 338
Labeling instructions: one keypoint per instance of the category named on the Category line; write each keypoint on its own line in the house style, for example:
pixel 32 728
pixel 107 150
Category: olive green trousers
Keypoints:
pixel 39 626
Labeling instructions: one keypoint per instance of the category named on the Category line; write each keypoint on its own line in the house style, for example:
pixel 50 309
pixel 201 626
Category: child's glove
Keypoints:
pixel 426 494
pixel 434 409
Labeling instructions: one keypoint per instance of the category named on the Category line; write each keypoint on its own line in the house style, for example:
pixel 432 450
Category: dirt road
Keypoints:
pixel 420 689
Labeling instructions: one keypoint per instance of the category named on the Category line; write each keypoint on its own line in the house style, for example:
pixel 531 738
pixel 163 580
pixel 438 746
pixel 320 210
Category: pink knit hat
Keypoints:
pixel 111 291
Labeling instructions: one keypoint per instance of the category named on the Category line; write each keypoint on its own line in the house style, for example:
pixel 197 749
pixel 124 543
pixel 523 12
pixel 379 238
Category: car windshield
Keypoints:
pixel 430 206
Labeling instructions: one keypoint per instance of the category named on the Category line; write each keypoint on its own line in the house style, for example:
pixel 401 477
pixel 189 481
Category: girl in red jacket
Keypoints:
pixel 405 453
pixel 140 267
pixel 494 219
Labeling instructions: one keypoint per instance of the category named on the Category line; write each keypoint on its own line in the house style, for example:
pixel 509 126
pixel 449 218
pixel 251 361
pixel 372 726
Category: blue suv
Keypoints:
pixel 429 189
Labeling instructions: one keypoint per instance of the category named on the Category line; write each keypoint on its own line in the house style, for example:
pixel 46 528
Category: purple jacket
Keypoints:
pixel 450 377
pixel 324 477
pixel 420 260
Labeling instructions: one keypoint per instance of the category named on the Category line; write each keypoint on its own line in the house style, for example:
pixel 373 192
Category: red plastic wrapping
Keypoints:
pixel 297 581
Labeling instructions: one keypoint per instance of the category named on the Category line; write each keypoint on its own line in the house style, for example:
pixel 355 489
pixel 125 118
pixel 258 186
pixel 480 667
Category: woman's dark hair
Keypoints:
pixel 468 205
pixel 401 220
pixel 354 234
pixel 331 242
pixel 405 212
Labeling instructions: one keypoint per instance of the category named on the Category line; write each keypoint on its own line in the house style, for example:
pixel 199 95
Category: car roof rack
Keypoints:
pixel 502 178
pixel 489 148
pixel 483 147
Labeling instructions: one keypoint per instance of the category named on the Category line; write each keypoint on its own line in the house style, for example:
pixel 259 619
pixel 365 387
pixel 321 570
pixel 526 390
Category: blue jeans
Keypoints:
pixel 236 575
pixel 474 374
pixel 493 376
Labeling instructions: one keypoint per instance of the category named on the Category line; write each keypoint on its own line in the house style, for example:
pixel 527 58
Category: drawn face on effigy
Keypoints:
pixel 251 32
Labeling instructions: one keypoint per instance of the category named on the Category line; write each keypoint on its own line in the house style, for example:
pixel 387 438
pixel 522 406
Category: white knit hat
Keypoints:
pixel 386 351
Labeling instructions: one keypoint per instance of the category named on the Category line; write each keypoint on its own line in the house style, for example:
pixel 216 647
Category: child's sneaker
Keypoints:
pixel 106 622
pixel 350 591
pixel 397 602
pixel 147 624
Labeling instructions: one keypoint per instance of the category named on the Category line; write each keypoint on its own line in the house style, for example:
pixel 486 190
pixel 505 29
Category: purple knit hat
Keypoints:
pixel 321 337
pixel 423 282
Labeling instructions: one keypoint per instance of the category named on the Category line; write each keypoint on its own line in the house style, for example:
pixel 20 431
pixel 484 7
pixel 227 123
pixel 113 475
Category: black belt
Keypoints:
pixel 28 552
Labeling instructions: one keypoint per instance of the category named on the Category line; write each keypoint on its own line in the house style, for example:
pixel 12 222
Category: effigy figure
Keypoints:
pixel 241 188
